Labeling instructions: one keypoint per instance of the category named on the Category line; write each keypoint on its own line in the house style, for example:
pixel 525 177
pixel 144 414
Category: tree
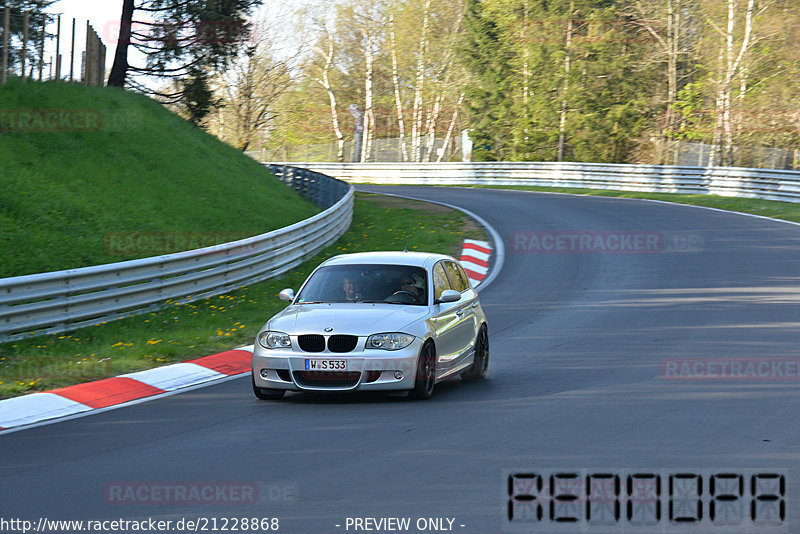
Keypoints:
pixel 324 80
pixel 731 55
pixel 740 91
pixel 198 98
pixel 484 55
pixel 588 99
pixel 250 86
pixel 181 39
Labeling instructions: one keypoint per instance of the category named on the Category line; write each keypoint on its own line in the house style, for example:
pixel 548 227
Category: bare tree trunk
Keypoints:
pixel 673 38
pixel 430 138
pixel 562 124
pixel 369 117
pixel 325 82
pixel 416 130
pixel 119 70
pixel 526 74
pixel 397 97
pixel 725 94
pixel 723 134
pixel 451 126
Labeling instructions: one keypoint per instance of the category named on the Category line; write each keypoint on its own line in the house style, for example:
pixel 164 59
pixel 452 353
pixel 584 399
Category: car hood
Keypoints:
pixel 359 319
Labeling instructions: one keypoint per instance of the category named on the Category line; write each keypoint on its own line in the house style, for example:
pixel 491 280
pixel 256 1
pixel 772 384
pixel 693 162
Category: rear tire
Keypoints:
pixel 266 393
pixel 480 364
pixel 426 373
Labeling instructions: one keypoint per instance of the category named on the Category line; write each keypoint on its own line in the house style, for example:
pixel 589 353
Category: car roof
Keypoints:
pixel 418 259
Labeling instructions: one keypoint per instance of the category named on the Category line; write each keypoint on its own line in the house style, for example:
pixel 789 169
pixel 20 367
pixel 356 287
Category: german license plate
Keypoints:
pixel 326 365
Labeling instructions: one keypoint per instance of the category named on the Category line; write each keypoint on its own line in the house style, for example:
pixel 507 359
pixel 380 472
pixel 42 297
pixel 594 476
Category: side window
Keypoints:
pixel 440 282
pixel 463 274
pixel 457 281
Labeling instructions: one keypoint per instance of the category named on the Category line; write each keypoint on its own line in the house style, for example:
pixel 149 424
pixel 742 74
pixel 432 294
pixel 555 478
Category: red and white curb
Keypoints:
pixel 72 400
pixel 475 259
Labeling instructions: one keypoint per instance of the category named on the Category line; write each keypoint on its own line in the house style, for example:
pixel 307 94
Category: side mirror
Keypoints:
pixel 286 295
pixel 449 295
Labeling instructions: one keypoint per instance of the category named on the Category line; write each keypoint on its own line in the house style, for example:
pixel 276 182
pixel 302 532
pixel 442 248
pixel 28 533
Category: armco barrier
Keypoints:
pixel 726 181
pixel 65 300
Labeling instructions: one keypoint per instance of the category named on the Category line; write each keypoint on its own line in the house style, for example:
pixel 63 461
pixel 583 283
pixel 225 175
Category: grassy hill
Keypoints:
pixel 99 175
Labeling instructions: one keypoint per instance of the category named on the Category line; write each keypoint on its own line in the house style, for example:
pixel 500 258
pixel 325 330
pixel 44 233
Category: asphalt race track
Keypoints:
pixel 600 364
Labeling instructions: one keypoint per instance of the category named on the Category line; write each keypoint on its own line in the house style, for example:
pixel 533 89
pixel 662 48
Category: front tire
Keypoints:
pixel 266 393
pixel 426 373
pixel 480 364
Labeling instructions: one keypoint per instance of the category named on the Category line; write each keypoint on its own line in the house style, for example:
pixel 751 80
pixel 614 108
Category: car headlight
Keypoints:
pixel 389 341
pixel 274 340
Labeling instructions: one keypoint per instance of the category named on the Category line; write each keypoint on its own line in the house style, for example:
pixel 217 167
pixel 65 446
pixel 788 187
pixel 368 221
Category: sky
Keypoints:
pixel 104 16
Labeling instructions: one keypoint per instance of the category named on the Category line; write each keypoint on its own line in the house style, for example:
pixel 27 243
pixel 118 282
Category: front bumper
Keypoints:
pixel 367 370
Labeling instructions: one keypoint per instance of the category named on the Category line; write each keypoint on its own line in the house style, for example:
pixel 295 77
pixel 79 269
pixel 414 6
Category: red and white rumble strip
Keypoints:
pixel 72 400
pixel 475 259
pixel 29 409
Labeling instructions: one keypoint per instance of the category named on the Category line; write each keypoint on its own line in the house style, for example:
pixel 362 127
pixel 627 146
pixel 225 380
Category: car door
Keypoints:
pixel 466 327
pixel 444 323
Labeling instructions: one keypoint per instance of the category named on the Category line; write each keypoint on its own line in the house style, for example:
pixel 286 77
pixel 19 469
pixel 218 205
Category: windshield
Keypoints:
pixel 394 284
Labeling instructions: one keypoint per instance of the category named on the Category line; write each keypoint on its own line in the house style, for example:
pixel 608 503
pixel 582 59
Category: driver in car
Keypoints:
pixel 415 285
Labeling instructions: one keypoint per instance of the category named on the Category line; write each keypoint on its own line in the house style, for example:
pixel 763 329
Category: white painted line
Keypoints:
pixel 248 348
pixel 175 376
pixel 35 407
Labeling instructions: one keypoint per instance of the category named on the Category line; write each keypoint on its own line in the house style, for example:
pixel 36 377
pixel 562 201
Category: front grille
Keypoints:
pixel 283 374
pixel 311 342
pixel 330 379
pixel 342 343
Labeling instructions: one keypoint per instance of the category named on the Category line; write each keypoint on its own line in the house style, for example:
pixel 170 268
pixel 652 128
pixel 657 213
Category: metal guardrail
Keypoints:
pixel 726 181
pixel 65 300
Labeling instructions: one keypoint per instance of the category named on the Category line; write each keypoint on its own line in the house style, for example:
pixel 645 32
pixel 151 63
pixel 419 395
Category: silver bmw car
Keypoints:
pixel 374 321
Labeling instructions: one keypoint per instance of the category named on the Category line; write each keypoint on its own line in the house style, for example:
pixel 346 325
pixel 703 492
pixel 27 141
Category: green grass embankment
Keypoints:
pixel 93 175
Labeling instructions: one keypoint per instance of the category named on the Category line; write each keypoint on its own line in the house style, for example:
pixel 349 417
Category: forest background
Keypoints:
pixel 528 80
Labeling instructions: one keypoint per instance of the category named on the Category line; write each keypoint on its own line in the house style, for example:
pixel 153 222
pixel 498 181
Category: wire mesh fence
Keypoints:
pixel 394 151
pixel 757 157
pixel 380 150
